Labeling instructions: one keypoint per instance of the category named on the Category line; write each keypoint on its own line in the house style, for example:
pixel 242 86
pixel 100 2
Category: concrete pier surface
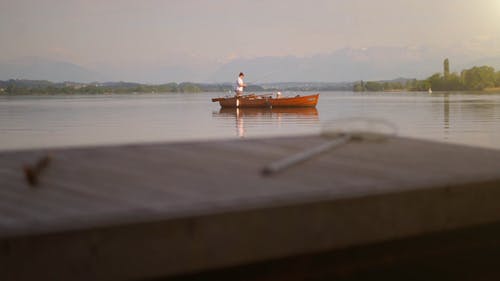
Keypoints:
pixel 203 210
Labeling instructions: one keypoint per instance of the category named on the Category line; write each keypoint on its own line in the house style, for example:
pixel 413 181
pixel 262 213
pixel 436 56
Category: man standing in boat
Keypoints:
pixel 240 85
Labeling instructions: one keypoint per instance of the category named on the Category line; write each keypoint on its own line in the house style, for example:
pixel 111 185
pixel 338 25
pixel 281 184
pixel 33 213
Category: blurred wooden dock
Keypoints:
pixel 202 210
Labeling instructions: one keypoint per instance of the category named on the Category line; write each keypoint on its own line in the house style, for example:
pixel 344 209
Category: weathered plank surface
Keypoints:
pixel 153 210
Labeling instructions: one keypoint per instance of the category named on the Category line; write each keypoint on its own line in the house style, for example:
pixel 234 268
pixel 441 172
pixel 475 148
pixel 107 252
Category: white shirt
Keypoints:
pixel 239 85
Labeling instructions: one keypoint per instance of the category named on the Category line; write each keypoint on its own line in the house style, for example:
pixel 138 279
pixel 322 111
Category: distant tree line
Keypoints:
pixel 474 79
pixel 373 86
pixel 38 87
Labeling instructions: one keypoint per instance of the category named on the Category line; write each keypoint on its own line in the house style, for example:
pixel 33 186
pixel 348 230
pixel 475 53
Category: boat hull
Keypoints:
pixel 253 101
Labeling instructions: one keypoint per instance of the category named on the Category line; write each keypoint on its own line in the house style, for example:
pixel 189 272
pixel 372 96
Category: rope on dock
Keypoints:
pixel 338 132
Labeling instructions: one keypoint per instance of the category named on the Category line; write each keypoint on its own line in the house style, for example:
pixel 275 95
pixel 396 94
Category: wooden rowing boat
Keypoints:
pixel 268 101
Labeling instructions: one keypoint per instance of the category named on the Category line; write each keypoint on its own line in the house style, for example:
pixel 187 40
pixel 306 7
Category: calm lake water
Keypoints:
pixel 54 121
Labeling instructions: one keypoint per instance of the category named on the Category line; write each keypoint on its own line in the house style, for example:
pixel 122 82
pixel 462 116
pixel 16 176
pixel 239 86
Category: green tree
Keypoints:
pixel 479 78
pixel 417 85
pixel 453 82
pixel 374 86
pixel 359 87
pixel 169 88
pixel 189 88
pixel 11 88
pixel 436 82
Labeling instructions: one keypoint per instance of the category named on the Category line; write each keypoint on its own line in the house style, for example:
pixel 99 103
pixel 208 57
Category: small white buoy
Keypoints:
pixel 430 91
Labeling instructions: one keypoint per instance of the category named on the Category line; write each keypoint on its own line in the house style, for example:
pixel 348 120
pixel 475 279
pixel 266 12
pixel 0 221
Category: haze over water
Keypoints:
pixel 62 121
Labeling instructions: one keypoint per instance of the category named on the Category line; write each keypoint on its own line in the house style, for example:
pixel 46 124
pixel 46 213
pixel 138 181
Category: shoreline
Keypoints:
pixel 492 89
pixel 5 94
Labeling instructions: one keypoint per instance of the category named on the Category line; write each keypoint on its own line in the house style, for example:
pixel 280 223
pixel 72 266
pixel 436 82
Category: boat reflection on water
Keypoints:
pixel 266 119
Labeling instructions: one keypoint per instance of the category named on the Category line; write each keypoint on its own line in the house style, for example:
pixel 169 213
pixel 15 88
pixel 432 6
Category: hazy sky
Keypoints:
pixel 145 32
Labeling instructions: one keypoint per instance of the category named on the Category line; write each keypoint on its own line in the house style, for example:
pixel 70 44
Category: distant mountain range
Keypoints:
pixel 342 65
pixel 35 68
pixel 378 63
pixel 349 64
